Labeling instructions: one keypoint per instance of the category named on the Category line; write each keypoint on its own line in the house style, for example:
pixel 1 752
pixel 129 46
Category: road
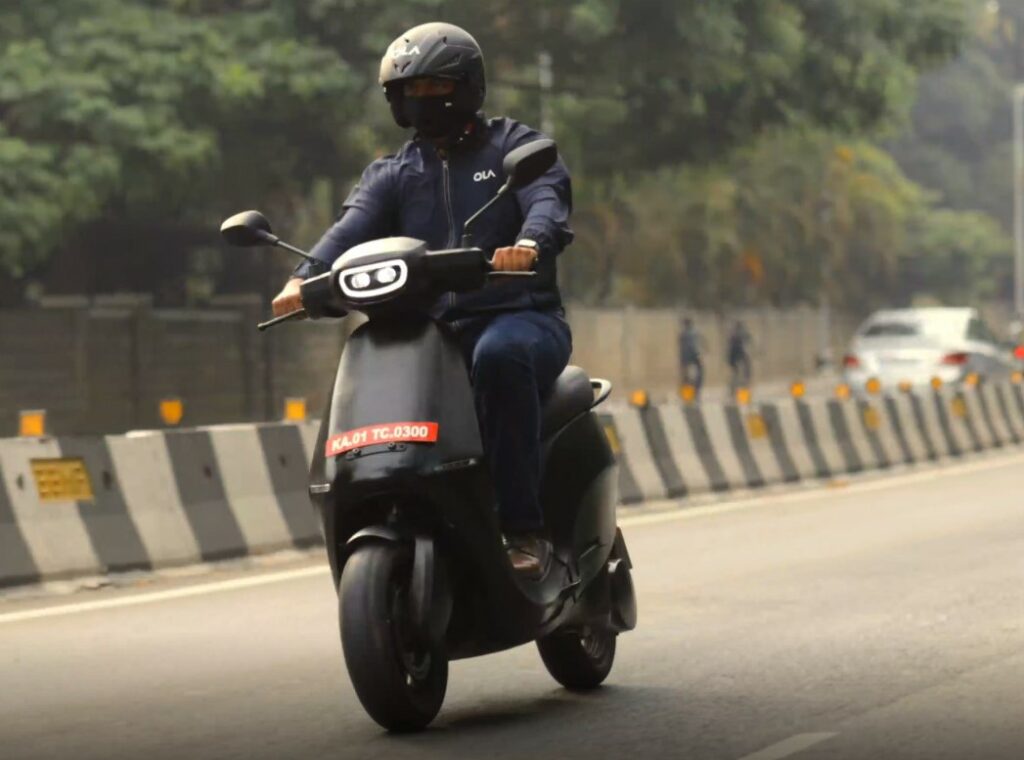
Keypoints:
pixel 881 620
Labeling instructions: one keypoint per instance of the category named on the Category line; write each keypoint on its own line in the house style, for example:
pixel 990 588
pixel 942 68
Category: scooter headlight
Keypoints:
pixel 374 280
pixel 386 276
pixel 361 281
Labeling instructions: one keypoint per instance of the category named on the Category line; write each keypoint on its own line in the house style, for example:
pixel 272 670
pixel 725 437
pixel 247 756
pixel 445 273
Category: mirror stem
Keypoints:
pixel 296 251
pixel 466 237
pixel 275 240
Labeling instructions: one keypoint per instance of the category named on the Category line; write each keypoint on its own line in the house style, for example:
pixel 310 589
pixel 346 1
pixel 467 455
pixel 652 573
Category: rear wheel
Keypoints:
pixel 579 660
pixel 400 681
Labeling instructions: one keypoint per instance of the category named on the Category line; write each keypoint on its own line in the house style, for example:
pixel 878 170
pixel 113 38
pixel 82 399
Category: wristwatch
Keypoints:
pixel 531 244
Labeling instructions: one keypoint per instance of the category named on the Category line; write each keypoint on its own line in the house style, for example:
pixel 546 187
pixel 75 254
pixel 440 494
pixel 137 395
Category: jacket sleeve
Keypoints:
pixel 367 214
pixel 546 203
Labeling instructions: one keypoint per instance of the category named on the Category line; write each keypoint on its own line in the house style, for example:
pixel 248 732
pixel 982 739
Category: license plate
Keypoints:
pixel 374 435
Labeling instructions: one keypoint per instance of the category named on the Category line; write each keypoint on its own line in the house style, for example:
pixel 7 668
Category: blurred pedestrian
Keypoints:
pixel 738 355
pixel 690 343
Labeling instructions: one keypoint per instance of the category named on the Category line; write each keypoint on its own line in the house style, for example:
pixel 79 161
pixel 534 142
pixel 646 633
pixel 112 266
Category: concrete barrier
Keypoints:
pixel 157 499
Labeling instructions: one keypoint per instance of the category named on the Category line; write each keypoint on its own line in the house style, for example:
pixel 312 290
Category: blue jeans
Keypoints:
pixel 514 359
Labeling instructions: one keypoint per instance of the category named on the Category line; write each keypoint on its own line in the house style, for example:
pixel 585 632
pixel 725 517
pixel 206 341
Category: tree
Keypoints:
pixel 136 124
pixel 153 118
pixel 792 217
pixel 960 257
pixel 959 138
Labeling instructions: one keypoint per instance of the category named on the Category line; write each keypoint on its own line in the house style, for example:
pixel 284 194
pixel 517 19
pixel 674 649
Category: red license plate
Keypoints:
pixel 388 432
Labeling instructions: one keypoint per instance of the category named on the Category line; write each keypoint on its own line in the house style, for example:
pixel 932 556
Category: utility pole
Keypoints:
pixel 1018 201
pixel 545 80
pixel 545 76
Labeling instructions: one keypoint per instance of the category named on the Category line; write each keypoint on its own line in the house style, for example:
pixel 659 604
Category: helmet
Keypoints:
pixel 435 50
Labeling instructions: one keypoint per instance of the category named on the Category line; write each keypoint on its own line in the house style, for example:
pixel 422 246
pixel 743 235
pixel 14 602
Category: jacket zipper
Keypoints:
pixel 448 202
pixel 447 193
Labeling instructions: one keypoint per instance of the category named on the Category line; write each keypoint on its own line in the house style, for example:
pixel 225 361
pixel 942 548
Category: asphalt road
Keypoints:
pixel 882 620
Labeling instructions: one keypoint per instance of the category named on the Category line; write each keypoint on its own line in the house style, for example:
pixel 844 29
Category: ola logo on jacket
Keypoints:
pixel 481 176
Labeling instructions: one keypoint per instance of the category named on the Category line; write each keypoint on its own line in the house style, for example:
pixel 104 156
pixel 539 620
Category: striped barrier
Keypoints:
pixel 152 499
pixel 155 499
pixel 678 451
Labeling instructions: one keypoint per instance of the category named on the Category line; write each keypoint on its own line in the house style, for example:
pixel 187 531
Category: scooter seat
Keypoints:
pixel 571 397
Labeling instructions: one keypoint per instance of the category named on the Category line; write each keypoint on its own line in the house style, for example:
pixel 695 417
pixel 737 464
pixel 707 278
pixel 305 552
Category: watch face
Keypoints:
pixel 527 243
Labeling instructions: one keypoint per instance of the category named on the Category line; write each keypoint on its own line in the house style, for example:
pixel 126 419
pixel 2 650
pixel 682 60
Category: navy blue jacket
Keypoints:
pixel 425 194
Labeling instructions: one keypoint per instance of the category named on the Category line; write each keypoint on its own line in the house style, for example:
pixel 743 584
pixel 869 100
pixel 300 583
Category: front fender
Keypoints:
pixel 430 599
pixel 366 535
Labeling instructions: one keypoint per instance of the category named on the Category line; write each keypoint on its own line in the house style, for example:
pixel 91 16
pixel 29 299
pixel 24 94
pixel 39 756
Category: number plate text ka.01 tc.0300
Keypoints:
pixel 388 432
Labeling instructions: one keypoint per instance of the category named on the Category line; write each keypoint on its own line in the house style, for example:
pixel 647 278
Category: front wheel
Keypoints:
pixel 578 660
pixel 401 682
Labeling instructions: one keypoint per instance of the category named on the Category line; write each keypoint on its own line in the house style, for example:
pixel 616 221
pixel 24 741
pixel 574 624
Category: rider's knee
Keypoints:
pixel 500 357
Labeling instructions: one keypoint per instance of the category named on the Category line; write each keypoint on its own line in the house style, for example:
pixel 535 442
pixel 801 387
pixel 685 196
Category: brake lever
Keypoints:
pixel 511 274
pixel 297 314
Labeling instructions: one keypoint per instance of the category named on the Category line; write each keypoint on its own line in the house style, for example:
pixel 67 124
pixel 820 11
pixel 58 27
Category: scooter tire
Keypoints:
pixel 578 662
pixel 401 684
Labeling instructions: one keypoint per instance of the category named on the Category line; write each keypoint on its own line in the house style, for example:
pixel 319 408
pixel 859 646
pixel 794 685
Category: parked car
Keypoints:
pixel 915 345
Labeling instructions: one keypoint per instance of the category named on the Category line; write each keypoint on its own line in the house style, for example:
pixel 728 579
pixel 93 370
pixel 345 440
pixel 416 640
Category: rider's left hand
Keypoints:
pixel 514 259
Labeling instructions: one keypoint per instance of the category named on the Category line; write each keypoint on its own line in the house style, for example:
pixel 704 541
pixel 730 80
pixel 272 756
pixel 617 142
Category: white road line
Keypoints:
pixel 163 596
pixel 676 513
pixel 790 746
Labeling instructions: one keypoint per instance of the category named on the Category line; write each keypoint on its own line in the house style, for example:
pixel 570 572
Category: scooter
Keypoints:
pixel 400 481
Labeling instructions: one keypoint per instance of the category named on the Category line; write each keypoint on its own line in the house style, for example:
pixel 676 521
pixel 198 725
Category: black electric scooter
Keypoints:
pixel 405 497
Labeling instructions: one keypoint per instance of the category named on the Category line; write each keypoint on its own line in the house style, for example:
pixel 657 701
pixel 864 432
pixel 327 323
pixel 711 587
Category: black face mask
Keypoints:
pixel 433 117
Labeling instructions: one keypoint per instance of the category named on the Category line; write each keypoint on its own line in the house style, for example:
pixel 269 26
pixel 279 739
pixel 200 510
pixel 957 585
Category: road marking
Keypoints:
pixel 790 746
pixel 676 513
pixel 795 497
pixel 163 596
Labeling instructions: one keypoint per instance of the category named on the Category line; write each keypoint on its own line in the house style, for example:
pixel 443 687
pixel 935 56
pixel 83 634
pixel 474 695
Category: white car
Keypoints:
pixel 898 346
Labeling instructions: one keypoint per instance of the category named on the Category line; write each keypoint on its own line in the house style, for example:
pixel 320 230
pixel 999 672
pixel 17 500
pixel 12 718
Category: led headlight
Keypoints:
pixel 386 276
pixel 374 280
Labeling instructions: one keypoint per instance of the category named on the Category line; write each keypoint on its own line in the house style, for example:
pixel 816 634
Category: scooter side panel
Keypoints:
pixel 579 493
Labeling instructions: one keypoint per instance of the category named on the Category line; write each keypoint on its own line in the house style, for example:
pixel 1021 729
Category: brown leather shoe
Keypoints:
pixel 529 554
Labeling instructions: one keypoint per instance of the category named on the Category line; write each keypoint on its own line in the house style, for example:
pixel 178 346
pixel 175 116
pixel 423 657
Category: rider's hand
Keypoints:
pixel 289 299
pixel 514 259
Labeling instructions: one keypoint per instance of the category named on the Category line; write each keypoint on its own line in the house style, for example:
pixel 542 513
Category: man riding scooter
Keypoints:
pixel 513 333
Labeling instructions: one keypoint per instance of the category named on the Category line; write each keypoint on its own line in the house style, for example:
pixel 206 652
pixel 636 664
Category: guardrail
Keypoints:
pixel 78 506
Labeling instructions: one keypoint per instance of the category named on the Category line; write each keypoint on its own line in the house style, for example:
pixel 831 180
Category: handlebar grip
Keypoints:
pixel 297 314
pixel 512 274
pixel 494 273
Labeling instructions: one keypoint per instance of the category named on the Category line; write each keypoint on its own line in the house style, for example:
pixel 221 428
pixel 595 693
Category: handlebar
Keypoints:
pixel 318 289
pixel 511 274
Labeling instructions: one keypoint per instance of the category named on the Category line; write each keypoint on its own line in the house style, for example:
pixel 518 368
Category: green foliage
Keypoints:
pixel 794 216
pixel 154 110
pixel 129 113
pixel 648 84
pixel 959 139
pixel 961 257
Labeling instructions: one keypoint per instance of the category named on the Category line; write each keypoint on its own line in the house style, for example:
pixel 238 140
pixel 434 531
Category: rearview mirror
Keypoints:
pixel 529 162
pixel 248 229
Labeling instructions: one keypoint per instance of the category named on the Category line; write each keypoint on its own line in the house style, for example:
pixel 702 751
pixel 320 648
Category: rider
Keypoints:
pixel 513 333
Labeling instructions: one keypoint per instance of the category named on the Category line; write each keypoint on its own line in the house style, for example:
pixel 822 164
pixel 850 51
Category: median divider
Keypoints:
pixel 85 506
pixel 90 505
